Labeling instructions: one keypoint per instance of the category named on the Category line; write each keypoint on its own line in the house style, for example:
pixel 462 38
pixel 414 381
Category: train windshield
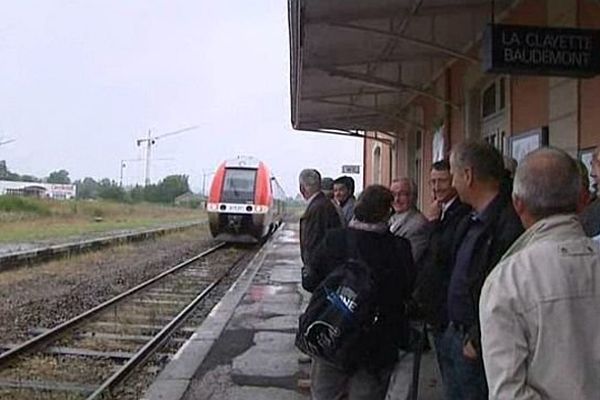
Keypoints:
pixel 238 186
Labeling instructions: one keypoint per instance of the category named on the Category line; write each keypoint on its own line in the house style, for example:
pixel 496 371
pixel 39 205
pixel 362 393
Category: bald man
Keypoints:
pixel 539 307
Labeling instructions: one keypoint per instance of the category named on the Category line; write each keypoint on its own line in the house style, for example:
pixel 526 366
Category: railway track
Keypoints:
pixel 90 355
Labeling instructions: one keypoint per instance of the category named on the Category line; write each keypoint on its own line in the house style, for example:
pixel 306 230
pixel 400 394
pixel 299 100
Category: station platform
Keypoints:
pixel 245 348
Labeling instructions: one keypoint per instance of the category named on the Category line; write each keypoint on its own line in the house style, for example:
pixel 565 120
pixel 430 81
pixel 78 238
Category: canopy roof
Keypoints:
pixel 355 64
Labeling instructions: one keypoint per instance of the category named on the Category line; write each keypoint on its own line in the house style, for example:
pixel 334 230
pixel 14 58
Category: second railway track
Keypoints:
pixel 90 355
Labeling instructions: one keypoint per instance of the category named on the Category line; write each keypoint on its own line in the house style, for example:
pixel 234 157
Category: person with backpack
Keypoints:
pixel 360 277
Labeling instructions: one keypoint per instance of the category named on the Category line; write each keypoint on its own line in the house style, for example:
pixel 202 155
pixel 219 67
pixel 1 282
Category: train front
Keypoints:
pixel 239 201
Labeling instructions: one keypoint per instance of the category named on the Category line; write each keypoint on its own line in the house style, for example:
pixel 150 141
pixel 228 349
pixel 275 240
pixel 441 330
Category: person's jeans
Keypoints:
pixel 438 335
pixel 401 379
pixel 463 379
pixel 330 383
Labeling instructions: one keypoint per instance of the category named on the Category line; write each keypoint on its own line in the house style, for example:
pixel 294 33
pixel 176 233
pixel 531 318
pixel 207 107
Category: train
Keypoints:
pixel 245 203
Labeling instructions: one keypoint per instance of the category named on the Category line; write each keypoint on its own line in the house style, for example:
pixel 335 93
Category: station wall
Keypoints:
pixel 568 107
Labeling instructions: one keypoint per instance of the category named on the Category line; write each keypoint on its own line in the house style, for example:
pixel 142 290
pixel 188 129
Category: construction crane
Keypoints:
pixel 151 141
pixel 6 141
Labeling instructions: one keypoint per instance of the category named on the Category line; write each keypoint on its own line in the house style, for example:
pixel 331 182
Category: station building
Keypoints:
pixel 37 189
pixel 413 78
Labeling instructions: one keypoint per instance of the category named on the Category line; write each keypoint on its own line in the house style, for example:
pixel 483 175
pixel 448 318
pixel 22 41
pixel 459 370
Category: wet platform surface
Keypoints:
pixel 245 349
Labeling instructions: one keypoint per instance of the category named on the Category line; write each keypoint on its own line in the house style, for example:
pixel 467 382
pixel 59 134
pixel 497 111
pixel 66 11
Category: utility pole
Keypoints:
pixel 150 141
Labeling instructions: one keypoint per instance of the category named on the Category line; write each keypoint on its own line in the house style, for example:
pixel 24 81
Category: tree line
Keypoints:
pixel 165 191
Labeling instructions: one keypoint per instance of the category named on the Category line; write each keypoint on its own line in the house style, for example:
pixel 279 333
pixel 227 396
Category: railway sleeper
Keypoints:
pixel 136 327
pixel 47 385
pixel 75 351
pixel 112 336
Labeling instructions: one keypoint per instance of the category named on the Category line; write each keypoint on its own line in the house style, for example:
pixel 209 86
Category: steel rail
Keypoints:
pixel 157 341
pixel 31 344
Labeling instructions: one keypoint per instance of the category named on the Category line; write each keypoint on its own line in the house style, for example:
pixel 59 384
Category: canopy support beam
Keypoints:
pixel 385 84
pixel 411 40
pixel 384 113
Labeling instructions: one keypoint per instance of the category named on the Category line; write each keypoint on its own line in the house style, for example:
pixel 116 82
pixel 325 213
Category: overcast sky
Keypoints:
pixel 80 81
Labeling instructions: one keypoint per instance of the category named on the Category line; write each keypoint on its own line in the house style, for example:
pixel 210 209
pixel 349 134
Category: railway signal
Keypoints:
pixel 123 165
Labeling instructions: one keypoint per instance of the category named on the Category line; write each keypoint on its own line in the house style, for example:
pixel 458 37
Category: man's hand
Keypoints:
pixel 469 351
pixel 434 210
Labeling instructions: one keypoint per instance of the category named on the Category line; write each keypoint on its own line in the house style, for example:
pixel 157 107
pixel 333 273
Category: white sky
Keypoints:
pixel 80 81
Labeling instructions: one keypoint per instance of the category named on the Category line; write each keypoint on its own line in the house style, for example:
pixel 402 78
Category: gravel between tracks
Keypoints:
pixel 49 293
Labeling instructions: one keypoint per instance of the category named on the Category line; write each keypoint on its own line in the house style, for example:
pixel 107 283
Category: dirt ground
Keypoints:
pixel 47 294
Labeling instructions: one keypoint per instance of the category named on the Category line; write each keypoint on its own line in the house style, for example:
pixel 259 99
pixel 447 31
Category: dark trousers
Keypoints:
pixel 463 379
pixel 437 335
pixel 330 383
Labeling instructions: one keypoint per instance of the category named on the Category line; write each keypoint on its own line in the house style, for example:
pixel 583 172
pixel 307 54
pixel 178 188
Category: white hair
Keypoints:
pixel 311 180
pixel 412 186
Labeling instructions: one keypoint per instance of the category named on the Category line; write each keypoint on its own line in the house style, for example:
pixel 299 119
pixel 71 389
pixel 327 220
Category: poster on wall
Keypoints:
pixel 586 156
pixel 524 143
pixel 438 144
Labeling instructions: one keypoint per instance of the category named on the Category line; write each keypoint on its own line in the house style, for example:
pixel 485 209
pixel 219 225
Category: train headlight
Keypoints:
pixel 212 207
pixel 261 209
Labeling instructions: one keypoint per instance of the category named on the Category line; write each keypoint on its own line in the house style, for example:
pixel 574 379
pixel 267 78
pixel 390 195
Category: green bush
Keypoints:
pixel 14 204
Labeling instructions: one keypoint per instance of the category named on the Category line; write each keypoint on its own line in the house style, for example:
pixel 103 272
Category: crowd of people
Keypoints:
pixel 502 269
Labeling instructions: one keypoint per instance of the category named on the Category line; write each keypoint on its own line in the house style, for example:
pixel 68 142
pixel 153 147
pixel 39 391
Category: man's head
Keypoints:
pixel 405 194
pixel 343 189
pixel 374 204
pixel 547 182
pixel 310 182
pixel 440 180
pixel 327 187
pixel 476 168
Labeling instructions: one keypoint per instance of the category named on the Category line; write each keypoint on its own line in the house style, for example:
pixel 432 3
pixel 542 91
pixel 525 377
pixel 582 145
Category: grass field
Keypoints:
pixel 26 219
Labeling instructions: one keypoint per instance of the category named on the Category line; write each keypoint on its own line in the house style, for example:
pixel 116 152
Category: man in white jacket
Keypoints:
pixel 540 306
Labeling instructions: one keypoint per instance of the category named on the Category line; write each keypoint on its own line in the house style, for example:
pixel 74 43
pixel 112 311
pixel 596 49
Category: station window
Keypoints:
pixel 418 162
pixel 493 98
pixel 488 101
pixel 502 93
pixel 496 139
pixel 377 164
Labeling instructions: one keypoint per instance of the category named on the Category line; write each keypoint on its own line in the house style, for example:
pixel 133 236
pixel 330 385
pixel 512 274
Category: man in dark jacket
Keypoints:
pixel 481 238
pixel 320 214
pixel 431 289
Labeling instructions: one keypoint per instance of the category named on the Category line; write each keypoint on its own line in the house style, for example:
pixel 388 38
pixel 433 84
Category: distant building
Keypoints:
pixel 39 190
pixel 190 199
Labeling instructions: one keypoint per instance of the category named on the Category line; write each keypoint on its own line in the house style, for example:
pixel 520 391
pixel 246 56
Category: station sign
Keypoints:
pixel 350 169
pixel 535 50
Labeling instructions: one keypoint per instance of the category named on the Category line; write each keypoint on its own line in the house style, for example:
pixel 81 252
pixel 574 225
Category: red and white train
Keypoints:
pixel 245 203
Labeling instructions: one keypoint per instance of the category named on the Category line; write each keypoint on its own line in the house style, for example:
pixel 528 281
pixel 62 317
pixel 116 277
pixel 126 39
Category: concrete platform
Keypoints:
pixel 245 348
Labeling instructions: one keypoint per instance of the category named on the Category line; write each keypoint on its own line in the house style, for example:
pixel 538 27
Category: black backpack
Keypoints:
pixel 341 312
